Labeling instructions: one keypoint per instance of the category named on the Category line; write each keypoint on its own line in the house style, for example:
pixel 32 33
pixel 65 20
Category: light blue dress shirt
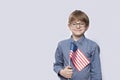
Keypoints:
pixel 90 49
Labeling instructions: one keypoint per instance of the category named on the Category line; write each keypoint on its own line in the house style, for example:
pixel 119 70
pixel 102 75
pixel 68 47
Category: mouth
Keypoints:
pixel 78 30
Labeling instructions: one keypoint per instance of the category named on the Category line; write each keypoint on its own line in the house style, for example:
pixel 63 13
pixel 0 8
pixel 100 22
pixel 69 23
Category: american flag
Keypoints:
pixel 78 59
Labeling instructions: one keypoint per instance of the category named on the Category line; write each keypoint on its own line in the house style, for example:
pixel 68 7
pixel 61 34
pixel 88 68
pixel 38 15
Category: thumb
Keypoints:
pixel 68 67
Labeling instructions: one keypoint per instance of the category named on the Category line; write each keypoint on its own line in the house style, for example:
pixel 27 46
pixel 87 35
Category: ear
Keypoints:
pixel 69 25
pixel 87 28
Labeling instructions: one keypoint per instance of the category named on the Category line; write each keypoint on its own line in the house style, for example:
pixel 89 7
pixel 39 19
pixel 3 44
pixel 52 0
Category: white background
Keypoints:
pixel 31 29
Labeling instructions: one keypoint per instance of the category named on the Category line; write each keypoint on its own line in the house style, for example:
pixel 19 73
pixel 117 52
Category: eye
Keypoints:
pixel 74 24
pixel 82 23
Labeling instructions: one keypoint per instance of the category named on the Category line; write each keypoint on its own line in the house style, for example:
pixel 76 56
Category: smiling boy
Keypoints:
pixel 84 61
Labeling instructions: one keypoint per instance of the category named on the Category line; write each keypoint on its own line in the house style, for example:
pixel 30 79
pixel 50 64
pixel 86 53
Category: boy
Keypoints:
pixel 77 58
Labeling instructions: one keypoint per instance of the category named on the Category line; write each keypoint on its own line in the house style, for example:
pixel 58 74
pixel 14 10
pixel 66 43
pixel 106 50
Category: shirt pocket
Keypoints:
pixel 87 54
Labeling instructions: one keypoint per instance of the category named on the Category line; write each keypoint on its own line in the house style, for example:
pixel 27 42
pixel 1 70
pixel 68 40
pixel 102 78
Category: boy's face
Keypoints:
pixel 77 28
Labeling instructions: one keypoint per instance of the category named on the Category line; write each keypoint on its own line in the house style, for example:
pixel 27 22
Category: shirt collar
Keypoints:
pixel 80 40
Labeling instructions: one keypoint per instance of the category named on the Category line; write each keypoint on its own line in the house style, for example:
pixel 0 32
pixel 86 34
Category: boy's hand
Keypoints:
pixel 66 72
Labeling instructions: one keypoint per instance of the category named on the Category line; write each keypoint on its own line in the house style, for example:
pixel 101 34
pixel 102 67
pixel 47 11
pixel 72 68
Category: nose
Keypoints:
pixel 78 26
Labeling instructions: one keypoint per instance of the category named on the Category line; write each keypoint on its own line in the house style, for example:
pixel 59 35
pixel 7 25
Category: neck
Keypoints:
pixel 76 37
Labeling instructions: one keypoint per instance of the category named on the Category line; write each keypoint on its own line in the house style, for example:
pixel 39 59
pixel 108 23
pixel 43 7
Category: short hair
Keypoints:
pixel 78 15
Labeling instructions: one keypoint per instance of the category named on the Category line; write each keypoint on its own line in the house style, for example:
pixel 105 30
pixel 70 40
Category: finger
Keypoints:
pixel 69 76
pixel 69 67
pixel 70 70
pixel 69 73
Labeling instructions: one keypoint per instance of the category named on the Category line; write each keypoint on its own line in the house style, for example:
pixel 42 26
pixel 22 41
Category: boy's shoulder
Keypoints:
pixel 65 41
pixel 91 42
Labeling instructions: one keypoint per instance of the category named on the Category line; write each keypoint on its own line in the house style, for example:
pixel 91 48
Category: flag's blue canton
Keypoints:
pixel 73 47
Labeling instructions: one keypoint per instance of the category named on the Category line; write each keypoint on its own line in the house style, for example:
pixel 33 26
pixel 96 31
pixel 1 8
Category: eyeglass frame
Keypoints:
pixel 75 24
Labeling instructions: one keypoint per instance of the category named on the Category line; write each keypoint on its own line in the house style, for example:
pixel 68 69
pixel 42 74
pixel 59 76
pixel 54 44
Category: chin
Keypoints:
pixel 78 34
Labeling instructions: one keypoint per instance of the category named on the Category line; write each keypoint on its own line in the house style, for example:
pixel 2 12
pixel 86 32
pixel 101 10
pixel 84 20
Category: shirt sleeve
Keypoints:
pixel 95 65
pixel 58 65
